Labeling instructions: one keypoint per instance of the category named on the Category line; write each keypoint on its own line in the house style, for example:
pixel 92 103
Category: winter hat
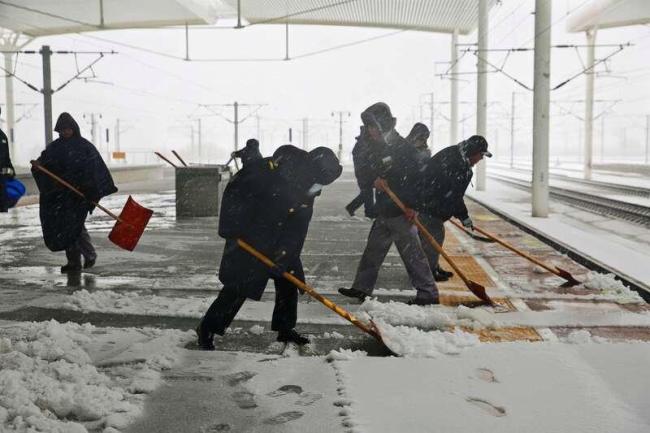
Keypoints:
pixel 476 144
pixel 378 115
pixel 325 165
pixel 419 130
pixel 295 166
pixel 64 121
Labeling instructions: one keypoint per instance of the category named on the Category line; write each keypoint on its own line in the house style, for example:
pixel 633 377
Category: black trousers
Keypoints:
pixel 224 309
pixel 81 247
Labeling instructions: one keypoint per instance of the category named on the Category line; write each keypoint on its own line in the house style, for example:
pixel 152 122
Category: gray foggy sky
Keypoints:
pixel 158 98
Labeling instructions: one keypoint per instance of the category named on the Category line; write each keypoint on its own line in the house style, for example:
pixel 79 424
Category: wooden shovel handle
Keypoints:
pixel 38 166
pixel 313 293
pixel 474 287
pixel 553 270
pixel 179 158
pixel 165 159
pixel 426 233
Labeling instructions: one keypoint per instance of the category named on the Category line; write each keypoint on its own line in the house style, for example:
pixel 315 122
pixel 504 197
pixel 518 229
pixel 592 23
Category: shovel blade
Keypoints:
pixel 479 291
pixel 126 234
pixel 570 280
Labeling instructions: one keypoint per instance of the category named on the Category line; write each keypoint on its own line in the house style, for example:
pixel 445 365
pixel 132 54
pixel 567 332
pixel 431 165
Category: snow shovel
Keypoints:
pixel 165 159
pixel 179 158
pixel 130 224
pixel 474 287
pixel 372 329
pixel 472 235
pixel 571 281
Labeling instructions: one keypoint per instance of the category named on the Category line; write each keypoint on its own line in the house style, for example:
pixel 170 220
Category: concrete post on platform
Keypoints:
pixel 236 107
pixel 453 115
pixel 46 53
pixel 647 137
pixel 9 102
pixel 481 86
pixel 512 131
pixel 589 104
pixel 541 102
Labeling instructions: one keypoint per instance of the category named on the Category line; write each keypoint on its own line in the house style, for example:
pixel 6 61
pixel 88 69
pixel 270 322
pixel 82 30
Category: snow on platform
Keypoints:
pixel 577 353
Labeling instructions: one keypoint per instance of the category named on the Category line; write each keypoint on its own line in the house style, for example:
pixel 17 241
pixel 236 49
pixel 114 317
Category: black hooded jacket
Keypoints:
pixel 445 179
pixel 76 161
pixel 6 170
pixel 266 205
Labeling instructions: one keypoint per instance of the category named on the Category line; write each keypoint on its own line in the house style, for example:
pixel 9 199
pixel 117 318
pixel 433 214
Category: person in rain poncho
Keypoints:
pixel 63 213
pixel 268 204
pixel 367 156
pixel 249 153
pixel 418 137
pixel 445 179
pixel 6 171
pixel 400 169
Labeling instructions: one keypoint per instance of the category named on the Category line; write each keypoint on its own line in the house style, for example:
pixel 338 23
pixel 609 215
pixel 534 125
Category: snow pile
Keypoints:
pixel 583 336
pixel 607 284
pixel 415 343
pixel 256 330
pixel 136 303
pixel 49 384
pixel 429 317
pixel 345 355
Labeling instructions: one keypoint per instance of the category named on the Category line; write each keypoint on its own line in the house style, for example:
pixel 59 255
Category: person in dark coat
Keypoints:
pixel 400 169
pixel 249 153
pixel 445 179
pixel 6 171
pixel 63 213
pixel 269 205
pixel 367 156
pixel 418 137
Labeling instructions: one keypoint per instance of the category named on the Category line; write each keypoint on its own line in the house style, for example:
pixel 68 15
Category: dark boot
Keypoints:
pixel 291 336
pixel 350 208
pixel 89 263
pixel 422 301
pixel 439 276
pixel 71 267
pixel 353 293
pixel 444 272
pixel 205 337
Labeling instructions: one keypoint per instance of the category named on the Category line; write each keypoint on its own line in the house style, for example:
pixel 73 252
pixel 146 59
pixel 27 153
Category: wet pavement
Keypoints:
pixel 178 261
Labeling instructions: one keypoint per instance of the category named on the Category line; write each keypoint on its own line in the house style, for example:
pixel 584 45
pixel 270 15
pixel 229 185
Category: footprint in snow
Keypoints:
pixel 283 417
pixel 239 377
pixel 488 407
pixel 308 398
pixel 285 389
pixel 216 428
pixel 244 399
pixel 486 375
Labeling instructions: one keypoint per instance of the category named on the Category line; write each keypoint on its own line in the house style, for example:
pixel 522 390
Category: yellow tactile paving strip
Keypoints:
pixel 501 335
pixel 470 300
pixel 470 268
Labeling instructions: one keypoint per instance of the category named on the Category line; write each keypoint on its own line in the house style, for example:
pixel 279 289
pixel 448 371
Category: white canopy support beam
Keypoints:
pixel 481 86
pixel 541 102
pixel 453 115
pixel 589 104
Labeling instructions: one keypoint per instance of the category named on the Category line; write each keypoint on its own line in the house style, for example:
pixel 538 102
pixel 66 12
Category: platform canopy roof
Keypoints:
pixel 609 13
pixel 50 17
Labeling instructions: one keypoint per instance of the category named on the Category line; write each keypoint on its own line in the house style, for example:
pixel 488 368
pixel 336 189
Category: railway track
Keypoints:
pixel 591 202
pixel 617 188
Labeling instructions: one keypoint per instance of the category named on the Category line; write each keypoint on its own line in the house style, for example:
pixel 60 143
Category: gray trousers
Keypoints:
pixel 436 227
pixel 383 233
pixel 81 247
